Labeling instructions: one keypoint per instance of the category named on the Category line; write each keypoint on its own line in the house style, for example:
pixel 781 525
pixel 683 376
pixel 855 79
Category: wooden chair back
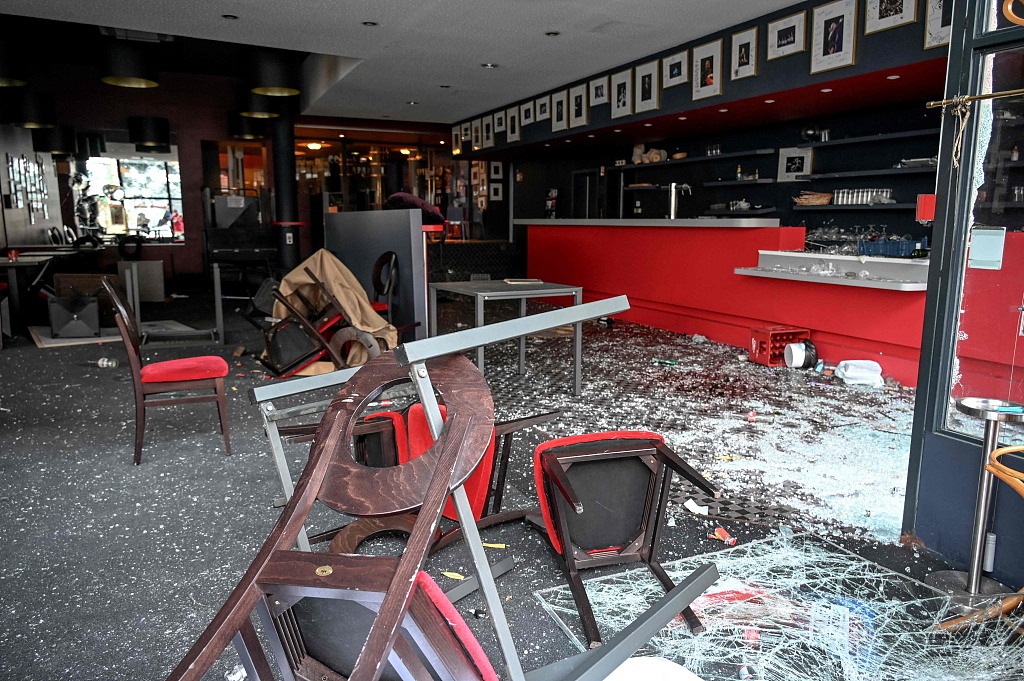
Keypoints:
pixel 279 577
pixel 125 318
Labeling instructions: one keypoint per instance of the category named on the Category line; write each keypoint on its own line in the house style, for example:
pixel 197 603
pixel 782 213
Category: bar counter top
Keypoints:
pixel 727 221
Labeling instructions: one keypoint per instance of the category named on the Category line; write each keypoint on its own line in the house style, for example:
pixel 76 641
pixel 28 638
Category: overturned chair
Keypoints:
pixel 330 617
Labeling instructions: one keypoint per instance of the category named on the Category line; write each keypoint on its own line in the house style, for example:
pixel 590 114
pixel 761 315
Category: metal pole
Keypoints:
pixel 218 303
pixel 985 484
pixel 281 463
pixel 425 389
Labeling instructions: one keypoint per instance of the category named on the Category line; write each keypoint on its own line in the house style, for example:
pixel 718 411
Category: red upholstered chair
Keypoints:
pixel 176 375
pixel 603 498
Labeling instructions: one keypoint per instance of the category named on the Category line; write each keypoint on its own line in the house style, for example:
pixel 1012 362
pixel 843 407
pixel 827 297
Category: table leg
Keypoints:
pixel 522 339
pixel 480 322
pixel 577 349
pixel 15 296
pixel 985 485
pixel 432 324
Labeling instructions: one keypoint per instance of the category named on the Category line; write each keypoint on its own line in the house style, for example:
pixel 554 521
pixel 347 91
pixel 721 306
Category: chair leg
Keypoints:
pixel 583 607
pixel 222 409
pixel 140 426
pixel 689 616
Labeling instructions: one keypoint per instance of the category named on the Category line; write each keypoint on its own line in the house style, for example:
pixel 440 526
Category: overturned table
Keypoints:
pixel 482 291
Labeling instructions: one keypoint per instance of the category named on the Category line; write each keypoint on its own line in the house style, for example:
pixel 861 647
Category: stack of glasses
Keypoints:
pixel 847 197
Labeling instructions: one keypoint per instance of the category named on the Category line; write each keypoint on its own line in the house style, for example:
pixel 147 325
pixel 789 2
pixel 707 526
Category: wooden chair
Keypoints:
pixel 603 498
pixel 334 617
pixel 176 375
pixel 408 436
pixel 1002 609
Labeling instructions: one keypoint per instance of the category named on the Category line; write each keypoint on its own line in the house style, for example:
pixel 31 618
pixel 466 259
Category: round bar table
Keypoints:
pixel 970 588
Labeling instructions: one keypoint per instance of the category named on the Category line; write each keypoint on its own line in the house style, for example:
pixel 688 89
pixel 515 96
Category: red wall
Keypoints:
pixel 682 279
pixel 991 346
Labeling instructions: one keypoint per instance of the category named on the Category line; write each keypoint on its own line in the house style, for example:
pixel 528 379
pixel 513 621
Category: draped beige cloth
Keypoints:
pixel 344 286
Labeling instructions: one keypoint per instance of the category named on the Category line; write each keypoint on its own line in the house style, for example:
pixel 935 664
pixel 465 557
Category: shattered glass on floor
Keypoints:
pixel 796 608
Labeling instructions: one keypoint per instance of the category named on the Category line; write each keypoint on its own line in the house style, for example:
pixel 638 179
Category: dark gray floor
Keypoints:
pixel 110 571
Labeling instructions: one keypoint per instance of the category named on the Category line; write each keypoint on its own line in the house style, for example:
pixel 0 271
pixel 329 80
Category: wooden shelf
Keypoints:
pixel 736 183
pixel 872 138
pixel 699 159
pixel 731 213
pixel 869 173
pixel 877 206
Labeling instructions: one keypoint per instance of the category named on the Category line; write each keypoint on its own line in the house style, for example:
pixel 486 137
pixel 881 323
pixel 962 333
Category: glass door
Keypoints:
pixel 988 359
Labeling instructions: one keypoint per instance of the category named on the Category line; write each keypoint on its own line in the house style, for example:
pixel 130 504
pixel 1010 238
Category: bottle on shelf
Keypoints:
pixel 739 172
pixel 1015 154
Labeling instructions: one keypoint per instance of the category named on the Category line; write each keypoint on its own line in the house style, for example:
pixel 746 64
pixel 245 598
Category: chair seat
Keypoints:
pixel 379 306
pixel 188 369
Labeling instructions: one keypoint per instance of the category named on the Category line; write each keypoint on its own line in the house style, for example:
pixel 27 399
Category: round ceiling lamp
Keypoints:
pixel 260 106
pixel 59 140
pixel 33 110
pixel 246 128
pixel 10 75
pixel 149 131
pixel 274 74
pixel 126 66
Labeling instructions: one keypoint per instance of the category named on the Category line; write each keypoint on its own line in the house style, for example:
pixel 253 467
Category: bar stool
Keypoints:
pixel 969 588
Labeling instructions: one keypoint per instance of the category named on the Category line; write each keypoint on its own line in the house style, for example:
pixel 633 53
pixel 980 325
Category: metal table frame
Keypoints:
pixel 482 291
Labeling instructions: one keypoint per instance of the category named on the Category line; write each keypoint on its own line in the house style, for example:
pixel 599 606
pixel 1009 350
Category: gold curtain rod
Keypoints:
pixel 975 98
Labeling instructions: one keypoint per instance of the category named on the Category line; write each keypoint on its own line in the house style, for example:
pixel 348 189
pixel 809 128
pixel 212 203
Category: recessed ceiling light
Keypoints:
pixel 314 146
pixel 617 130
pixel 385 116
pixel 547 145
pixel 442 141
pixel 412 103
pixel 229 17
pixel 370 23
pixel 355 153
pixel 405 152
pixel 445 87
pixel 590 136
pixel 552 34
pixel 722 110
pixel 647 125
pixel 682 118
pixel 341 135
pixel 489 65
pixel 769 101
pixel 826 89
pixel 568 141
pixel 892 77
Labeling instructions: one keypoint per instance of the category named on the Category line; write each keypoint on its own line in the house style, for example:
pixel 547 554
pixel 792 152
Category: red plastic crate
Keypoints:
pixel 768 343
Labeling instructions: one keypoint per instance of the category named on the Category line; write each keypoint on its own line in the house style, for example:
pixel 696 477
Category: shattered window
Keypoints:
pixel 798 608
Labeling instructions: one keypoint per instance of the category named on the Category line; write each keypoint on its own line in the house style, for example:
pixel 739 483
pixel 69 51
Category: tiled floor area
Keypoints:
pixel 111 571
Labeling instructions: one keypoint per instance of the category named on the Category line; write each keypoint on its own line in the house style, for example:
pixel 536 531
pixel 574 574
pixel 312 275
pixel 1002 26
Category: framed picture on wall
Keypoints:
pixel 787 36
pixel 884 14
pixel 526 113
pixel 497 193
pixel 599 91
pixel 622 94
pixel 488 131
pixel 834 36
pixel 512 121
pixel 559 116
pixel 675 69
pixel 477 134
pixel 938 20
pixel 794 161
pixel 543 108
pixel 648 86
pixel 578 106
pixel 497 170
pixel 499 122
pixel 744 54
pixel 465 132
pixel 456 137
pixel 707 70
